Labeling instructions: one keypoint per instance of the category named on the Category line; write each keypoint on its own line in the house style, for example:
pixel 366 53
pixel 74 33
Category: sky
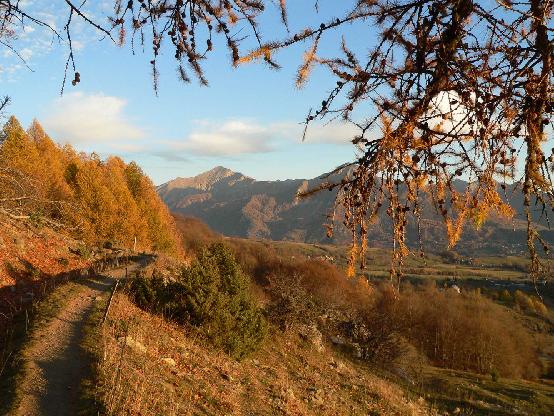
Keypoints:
pixel 248 119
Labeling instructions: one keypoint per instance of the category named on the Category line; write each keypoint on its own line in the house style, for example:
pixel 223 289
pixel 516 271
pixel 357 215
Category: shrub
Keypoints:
pixel 524 302
pixel 195 235
pixel 506 296
pixel 212 294
pixel 291 303
pixel 378 330
pixel 63 261
pixel 84 251
pixel 540 307
pixel 466 331
pixel 325 282
pixel 147 293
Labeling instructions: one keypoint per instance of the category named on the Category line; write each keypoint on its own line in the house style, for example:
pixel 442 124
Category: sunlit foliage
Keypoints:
pixel 96 200
pixel 452 89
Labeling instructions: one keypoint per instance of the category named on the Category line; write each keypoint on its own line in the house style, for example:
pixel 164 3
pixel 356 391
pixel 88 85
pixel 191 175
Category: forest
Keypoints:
pixel 102 202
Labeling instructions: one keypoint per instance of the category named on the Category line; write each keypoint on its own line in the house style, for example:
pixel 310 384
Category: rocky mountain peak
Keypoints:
pixel 206 180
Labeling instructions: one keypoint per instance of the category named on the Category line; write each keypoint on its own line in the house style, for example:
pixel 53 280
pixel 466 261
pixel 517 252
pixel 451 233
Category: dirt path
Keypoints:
pixel 55 363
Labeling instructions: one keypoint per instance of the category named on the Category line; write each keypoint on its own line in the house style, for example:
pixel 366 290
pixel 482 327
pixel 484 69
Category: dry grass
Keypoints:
pixel 149 366
pixel 29 253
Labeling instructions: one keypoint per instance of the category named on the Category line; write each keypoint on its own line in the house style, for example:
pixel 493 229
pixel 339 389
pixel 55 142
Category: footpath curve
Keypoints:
pixel 54 362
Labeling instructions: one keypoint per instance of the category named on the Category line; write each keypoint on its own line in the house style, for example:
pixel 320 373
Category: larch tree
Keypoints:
pixel 52 164
pixel 21 191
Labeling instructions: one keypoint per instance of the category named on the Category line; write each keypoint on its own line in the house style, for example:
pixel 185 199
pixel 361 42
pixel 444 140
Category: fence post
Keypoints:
pixel 110 301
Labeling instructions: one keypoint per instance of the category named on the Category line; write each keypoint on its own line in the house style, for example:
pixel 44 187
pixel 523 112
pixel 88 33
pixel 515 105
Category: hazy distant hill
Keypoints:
pixel 237 205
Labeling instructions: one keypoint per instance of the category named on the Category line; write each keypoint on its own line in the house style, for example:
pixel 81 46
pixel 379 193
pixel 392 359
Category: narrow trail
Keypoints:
pixel 55 362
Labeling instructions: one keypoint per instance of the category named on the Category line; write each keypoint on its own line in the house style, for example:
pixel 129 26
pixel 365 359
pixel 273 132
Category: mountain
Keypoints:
pixel 237 205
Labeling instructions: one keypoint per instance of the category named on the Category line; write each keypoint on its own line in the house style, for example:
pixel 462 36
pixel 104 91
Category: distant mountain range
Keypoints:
pixel 237 205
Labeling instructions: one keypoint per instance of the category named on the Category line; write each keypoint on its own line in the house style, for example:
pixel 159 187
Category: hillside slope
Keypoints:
pixel 237 205
pixel 168 371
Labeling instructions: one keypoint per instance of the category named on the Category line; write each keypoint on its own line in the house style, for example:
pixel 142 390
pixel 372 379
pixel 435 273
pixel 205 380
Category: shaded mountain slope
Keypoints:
pixel 237 205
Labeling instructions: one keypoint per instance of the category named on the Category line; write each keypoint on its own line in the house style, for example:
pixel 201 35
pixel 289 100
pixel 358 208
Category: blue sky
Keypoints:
pixel 247 119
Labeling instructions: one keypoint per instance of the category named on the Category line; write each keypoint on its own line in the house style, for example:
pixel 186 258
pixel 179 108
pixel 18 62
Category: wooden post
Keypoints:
pixel 110 301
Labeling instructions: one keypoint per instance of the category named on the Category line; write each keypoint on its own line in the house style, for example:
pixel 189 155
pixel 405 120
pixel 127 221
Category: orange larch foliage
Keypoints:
pixel 81 193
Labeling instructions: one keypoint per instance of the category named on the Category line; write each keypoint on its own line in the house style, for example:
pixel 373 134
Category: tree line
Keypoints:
pixel 99 201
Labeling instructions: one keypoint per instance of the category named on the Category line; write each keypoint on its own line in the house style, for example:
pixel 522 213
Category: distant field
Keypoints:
pixel 479 395
pixel 488 273
pixel 431 266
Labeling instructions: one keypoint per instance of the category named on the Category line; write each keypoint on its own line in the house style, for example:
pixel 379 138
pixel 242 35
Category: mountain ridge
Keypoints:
pixel 240 206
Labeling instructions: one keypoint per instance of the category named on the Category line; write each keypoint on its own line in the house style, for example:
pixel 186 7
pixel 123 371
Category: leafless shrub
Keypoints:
pixel 460 331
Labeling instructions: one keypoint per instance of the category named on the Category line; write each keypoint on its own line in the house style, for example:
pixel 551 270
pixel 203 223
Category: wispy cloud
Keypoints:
pixel 337 132
pixel 80 118
pixel 26 54
pixel 231 138
pixel 32 41
pixel 235 137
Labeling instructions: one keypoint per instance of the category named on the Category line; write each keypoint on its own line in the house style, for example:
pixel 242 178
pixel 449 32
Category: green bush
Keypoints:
pixel 212 294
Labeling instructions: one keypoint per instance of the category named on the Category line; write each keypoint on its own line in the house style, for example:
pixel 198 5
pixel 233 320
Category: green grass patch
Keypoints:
pixel 475 394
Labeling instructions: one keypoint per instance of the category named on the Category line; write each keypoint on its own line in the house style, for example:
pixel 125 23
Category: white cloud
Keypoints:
pixel 90 118
pixel 97 121
pixel 26 54
pixel 236 137
pixel 231 138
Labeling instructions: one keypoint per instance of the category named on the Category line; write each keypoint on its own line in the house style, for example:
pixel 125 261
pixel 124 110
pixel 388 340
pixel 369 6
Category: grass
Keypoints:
pixel 286 376
pixel 89 404
pixel 479 395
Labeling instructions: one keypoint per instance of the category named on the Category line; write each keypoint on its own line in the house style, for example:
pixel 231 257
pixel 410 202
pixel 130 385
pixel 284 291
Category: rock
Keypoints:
pixel 403 374
pixel 311 334
pixel 338 365
pixel 316 396
pixel 357 350
pixel 131 343
pixel 338 340
pixel 288 394
pixel 167 386
pixel 18 242
pixel 322 319
pixel 169 361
